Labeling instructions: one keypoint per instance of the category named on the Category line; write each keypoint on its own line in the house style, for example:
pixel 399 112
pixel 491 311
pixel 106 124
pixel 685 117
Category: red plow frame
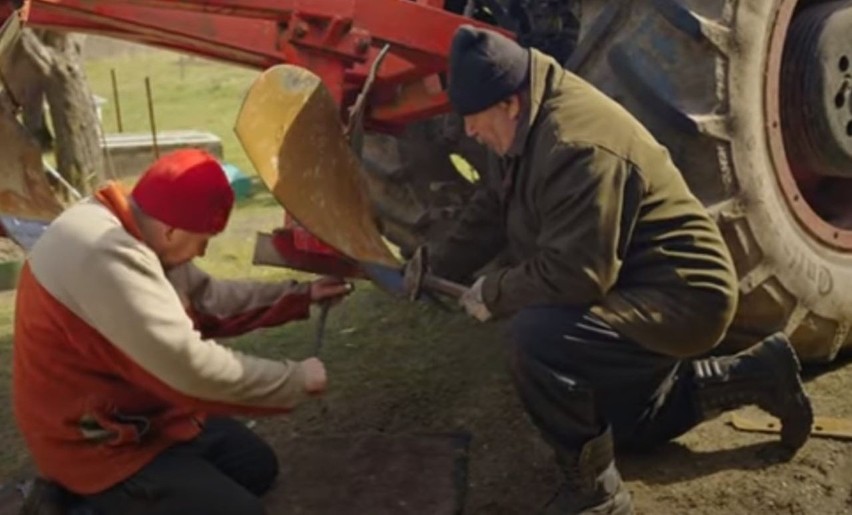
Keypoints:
pixel 336 39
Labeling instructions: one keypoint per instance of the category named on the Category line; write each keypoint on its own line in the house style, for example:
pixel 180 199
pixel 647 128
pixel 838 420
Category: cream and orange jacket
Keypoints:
pixel 113 356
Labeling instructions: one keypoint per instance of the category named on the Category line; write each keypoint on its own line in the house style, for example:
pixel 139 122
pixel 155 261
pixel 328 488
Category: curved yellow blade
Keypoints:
pixel 290 128
pixel 24 190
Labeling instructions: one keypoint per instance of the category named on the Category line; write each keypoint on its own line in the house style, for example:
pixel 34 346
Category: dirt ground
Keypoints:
pixel 714 469
pixel 399 368
pixel 459 385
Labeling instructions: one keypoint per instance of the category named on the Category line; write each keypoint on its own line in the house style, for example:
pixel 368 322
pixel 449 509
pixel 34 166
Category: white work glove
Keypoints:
pixel 316 380
pixel 329 290
pixel 472 302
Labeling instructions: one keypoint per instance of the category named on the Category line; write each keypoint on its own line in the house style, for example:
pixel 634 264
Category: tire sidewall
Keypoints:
pixel 809 270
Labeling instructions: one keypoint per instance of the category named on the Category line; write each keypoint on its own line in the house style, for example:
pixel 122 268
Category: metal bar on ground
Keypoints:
pixel 827 427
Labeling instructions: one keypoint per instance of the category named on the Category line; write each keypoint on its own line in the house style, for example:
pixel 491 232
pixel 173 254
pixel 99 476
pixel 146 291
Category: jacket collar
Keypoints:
pixel 540 67
pixel 115 197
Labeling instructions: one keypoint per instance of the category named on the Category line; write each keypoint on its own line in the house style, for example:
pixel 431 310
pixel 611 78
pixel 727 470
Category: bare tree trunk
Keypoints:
pixel 72 111
pixel 54 58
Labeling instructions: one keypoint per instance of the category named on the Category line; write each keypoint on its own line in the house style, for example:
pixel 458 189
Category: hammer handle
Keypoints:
pixel 450 288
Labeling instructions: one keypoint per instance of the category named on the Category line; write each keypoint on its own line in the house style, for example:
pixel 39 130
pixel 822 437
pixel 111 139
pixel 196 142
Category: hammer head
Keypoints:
pixel 415 269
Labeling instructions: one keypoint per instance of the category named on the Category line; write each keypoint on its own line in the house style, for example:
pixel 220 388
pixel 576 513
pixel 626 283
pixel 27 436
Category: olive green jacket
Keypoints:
pixel 594 214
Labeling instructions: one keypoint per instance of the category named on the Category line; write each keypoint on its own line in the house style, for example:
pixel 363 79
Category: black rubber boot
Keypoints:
pixel 42 497
pixel 593 485
pixel 766 375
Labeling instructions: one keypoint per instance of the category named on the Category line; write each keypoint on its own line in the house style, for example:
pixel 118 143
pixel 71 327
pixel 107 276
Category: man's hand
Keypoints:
pixel 472 302
pixel 315 378
pixel 330 290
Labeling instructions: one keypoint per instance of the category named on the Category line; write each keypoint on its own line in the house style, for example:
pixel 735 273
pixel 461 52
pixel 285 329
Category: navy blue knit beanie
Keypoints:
pixel 485 68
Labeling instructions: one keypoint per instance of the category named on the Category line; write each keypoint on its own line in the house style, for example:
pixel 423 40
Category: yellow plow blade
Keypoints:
pixel 25 195
pixel 290 128
pixel 27 203
pixel 24 191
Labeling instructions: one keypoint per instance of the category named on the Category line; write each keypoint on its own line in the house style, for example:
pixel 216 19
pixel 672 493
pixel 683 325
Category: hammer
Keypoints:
pixel 416 279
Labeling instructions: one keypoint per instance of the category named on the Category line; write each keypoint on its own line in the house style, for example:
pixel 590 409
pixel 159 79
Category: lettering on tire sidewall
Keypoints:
pixel 818 275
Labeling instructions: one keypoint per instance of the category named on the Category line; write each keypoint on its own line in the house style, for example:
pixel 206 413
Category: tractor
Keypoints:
pixel 753 99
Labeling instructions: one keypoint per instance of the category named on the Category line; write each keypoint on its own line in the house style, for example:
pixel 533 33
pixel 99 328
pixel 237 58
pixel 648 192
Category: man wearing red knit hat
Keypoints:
pixel 120 392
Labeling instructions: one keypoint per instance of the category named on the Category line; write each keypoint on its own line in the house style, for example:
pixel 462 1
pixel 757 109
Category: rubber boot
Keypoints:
pixel 593 485
pixel 44 497
pixel 766 375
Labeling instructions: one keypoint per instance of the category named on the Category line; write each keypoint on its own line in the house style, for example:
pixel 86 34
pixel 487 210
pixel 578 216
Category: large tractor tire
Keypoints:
pixel 752 98
pixel 416 189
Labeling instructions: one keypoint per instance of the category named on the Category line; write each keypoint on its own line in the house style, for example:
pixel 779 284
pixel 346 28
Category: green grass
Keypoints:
pixel 12 453
pixel 187 93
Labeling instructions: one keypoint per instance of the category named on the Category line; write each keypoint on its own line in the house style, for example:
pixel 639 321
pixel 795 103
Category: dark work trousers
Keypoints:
pixel 576 375
pixel 222 472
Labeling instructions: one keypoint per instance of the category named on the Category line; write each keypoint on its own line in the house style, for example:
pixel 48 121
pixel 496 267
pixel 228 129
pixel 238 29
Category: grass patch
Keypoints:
pixel 187 92
pixel 13 455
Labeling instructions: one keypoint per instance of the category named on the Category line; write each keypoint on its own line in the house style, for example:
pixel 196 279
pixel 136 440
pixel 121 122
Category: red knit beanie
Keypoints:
pixel 186 189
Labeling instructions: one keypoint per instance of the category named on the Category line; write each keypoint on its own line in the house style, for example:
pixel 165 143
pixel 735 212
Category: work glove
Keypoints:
pixel 316 380
pixel 472 302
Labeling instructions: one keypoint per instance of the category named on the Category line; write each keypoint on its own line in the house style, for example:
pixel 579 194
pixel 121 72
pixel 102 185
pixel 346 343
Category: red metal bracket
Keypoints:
pixel 301 250
pixel 337 39
pixel 292 257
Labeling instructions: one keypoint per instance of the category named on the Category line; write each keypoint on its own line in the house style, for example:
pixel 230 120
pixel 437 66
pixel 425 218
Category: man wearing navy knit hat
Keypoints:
pixel 618 279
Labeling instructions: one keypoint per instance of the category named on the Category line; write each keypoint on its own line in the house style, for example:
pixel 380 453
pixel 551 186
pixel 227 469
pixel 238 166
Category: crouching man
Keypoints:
pixel 618 276
pixel 120 393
